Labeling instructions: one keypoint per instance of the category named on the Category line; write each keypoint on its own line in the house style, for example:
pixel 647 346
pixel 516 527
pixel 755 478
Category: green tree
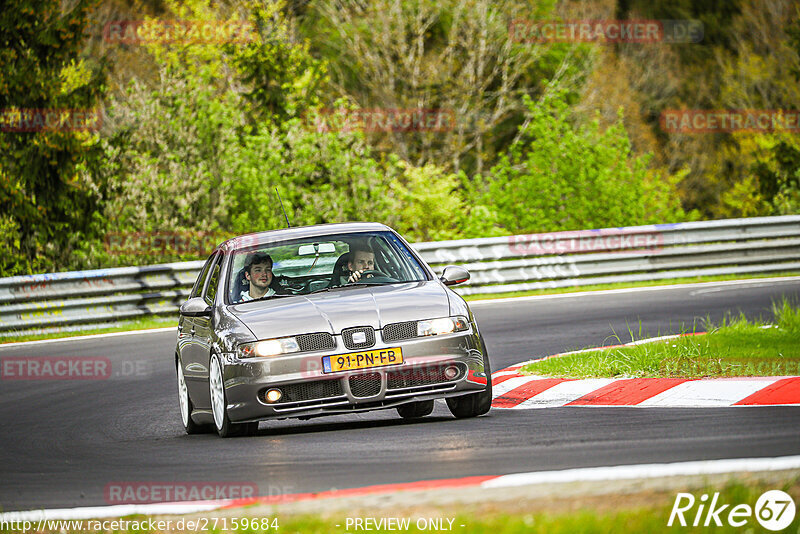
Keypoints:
pixel 280 77
pixel 322 177
pixel 43 195
pixel 561 175
pixel 761 169
pixel 204 147
pixel 426 204
pixel 456 56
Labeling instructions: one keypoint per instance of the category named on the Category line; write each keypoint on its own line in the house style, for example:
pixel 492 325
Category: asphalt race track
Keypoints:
pixel 63 442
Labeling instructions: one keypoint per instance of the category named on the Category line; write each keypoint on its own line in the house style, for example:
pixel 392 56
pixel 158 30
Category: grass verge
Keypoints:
pixel 144 323
pixel 737 347
pixel 642 511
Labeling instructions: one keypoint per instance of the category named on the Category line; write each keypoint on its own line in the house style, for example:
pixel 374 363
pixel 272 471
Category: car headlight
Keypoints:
pixel 443 325
pixel 268 347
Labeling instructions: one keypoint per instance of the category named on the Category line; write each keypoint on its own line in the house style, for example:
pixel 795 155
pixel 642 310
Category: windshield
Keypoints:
pixel 320 263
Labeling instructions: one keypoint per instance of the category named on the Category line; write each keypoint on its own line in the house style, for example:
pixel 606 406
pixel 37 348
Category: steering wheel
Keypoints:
pixel 375 274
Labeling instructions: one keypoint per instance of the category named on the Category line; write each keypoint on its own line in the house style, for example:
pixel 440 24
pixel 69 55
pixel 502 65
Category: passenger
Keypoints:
pixel 258 271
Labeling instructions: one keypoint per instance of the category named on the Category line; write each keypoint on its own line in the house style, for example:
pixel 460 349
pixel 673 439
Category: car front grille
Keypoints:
pixel 304 391
pixel 369 335
pixel 419 376
pixel 398 331
pixel 365 385
pixel 318 341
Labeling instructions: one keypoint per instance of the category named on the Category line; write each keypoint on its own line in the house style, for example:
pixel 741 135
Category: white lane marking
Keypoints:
pixel 563 393
pixel 505 373
pixel 654 339
pixel 504 387
pixel 699 393
pixel 91 336
pixel 486 302
pixel 718 289
pixel 118 510
pixel 623 472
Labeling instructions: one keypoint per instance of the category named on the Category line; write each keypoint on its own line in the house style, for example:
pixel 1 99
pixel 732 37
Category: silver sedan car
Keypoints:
pixel 324 320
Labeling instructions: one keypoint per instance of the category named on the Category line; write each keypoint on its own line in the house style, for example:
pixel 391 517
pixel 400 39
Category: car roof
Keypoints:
pixel 299 232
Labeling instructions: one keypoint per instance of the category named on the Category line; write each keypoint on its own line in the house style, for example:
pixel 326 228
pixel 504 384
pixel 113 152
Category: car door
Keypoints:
pixel 195 356
pixel 186 324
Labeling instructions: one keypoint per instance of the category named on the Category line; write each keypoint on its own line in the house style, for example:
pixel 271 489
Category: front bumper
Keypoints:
pixel 308 391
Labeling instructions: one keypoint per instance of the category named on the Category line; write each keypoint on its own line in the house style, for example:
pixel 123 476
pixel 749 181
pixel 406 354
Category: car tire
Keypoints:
pixel 415 410
pixel 223 425
pixel 474 404
pixel 185 405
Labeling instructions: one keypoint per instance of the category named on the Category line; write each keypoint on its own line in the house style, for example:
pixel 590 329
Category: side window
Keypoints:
pixel 383 261
pixel 409 264
pixel 201 279
pixel 213 282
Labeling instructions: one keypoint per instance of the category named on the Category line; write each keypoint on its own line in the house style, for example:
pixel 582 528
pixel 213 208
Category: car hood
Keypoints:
pixel 343 308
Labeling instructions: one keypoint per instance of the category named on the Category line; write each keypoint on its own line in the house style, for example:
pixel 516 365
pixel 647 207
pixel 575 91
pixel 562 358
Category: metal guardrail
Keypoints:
pixel 497 265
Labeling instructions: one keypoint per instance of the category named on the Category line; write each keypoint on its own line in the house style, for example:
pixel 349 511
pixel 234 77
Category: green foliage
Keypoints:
pixel 425 202
pixel 11 258
pixel 779 173
pixel 47 207
pixel 282 79
pixel 444 55
pixel 787 316
pixel 201 148
pixel 564 176
pixel 328 177
pixel 770 170
pixel 755 173
pixel 737 347
pixel 175 150
pixel 743 199
pixel 197 136
pixel 191 153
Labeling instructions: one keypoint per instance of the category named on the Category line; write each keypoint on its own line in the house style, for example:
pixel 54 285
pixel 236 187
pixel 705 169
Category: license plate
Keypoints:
pixel 362 360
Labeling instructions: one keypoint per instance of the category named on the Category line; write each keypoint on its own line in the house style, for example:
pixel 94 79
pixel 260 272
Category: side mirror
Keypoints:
pixel 453 274
pixel 196 307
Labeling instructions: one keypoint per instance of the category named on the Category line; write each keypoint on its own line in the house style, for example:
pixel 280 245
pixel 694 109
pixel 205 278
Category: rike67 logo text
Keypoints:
pixel 774 510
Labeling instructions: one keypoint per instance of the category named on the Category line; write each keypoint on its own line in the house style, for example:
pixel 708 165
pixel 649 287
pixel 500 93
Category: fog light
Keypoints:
pixel 451 372
pixel 273 395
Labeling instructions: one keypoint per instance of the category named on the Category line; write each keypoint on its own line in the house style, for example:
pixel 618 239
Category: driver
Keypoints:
pixel 258 271
pixel 361 259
